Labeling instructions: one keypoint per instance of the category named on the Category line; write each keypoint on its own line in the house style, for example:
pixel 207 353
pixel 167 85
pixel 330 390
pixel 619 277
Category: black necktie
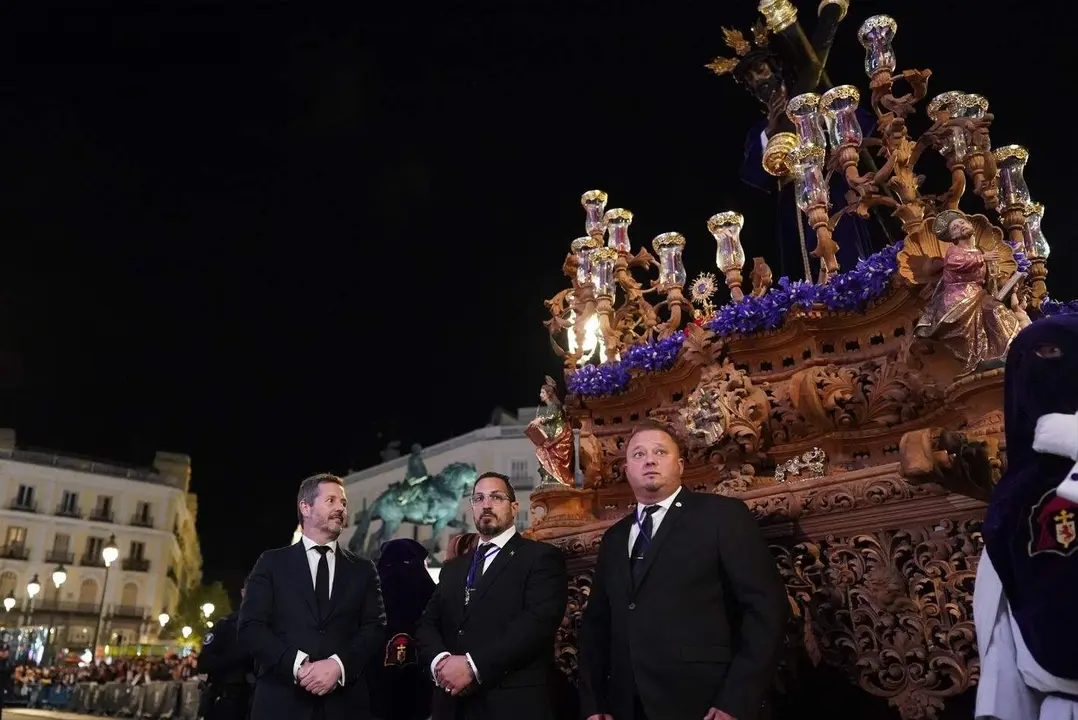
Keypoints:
pixel 321 579
pixel 643 542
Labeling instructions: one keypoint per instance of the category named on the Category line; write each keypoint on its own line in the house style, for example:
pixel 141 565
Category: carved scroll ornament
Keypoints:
pixel 878 393
pixel 894 609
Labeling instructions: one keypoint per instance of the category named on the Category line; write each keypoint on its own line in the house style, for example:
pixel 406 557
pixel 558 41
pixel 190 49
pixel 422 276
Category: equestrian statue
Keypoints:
pixel 422 499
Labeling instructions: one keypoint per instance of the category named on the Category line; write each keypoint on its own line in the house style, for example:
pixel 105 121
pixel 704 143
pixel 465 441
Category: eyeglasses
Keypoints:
pixel 496 498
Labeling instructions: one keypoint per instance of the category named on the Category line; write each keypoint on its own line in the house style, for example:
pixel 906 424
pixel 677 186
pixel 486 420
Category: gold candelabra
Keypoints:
pixel 607 309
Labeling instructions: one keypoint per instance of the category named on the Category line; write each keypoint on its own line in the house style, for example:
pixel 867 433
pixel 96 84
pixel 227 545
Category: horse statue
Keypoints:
pixel 434 501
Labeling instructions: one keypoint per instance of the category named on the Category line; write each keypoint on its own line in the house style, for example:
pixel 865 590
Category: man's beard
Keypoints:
pixel 765 89
pixel 490 525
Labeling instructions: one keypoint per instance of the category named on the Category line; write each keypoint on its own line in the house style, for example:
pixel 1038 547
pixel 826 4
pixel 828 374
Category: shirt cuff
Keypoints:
pixel 300 657
pixel 471 664
pixel 335 658
pixel 434 663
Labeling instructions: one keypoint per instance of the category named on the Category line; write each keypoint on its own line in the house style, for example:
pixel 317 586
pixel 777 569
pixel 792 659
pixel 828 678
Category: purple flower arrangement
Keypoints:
pixel 847 291
pixel 612 378
pixel 1058 307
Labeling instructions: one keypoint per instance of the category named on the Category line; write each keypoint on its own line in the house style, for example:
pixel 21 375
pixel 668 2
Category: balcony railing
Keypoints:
pixel 90 559
pixel 15 551
pixel 23 505
pixel 145 521
pixel 129 611
pixel 60 557
pixel 66 606
pixel 102 515
pixel 68 511
pixel 136 564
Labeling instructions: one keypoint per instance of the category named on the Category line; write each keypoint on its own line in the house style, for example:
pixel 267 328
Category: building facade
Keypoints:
pixel 499 447
pixel 60 512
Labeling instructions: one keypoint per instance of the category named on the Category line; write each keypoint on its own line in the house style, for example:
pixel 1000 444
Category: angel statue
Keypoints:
pixel 553 438
pixel 966 312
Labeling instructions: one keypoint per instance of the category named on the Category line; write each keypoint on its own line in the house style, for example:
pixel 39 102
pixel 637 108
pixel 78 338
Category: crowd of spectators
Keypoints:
pixel 29 681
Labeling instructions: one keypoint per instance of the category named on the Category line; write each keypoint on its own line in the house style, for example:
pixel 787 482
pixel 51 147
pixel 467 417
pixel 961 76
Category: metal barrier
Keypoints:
pixel 170 700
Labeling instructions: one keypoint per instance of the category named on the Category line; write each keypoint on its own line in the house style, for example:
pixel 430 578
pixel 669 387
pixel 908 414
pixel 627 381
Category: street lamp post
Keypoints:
pixel 32 589
pixel 59 577
pixel 109 553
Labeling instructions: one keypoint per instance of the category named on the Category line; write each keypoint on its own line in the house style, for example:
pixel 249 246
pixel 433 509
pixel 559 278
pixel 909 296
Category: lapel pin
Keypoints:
pixel 677 504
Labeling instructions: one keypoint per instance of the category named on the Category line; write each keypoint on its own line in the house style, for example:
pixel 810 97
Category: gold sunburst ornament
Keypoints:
pixel 736 41
pixel 703 289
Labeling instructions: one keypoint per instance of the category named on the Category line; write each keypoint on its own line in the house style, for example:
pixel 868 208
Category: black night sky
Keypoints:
pixel 263 233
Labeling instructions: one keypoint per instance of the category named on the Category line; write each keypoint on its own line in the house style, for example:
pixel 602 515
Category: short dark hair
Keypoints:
pixel 505 481
pixel 308 490
pixel 653 424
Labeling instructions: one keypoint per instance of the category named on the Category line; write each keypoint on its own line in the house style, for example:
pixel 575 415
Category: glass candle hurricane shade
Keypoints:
pixel 618 221
pixel 1011 161
pixel 876 35
pixel 809 185
pixel 839 108
pixel 582 247
pixel 726 229
pixel 804 113
pixel 602 271
pixel 670 247
pixel 594 202
pixel 1036 242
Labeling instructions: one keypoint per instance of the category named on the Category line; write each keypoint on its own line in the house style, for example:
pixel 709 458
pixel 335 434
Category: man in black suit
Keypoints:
pixel 487 634
pixel 687 611
pixel 312 617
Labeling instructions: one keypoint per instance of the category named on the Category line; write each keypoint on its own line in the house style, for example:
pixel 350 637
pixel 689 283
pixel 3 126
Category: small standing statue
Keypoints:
pixel 964 313
pixel 553 438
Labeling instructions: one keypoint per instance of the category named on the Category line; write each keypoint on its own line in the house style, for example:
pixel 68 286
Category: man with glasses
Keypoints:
pixel 488 633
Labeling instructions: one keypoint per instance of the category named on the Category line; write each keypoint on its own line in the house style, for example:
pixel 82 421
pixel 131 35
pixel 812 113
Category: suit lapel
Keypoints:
pixel 666 528
pixel 619 538
pixel 342 579
pixel 303 571
pixel 501 559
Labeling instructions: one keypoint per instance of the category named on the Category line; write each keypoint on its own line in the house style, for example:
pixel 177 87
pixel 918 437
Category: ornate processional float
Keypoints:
pixel 857 412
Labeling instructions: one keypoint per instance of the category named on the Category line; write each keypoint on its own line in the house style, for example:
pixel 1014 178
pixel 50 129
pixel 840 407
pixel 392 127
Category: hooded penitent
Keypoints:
pixel 400 689
pixel 1029 530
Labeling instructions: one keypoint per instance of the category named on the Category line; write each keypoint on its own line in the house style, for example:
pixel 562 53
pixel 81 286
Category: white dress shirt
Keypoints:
pixel 498 541
pixel 312 561
pixel 656 518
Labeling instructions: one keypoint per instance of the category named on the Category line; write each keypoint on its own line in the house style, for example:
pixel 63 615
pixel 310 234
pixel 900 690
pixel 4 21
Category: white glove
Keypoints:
pixel 1057 434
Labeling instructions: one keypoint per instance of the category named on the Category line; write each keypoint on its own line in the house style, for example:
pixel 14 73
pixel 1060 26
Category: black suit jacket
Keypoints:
pixel 279 616
pixel 703 628
pixel 508 628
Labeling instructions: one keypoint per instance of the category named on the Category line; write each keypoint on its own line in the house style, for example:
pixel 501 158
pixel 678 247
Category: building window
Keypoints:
pixel 94 545
pixel 138 549
pixel 61 542
pixel 69 502
pixel 88 592
pixel 8 581
pixel 520 473
pixel 142 512
pixel 25 497
pixel 522 520
pixel 103 509
pixel 16 537
pixel 129 597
